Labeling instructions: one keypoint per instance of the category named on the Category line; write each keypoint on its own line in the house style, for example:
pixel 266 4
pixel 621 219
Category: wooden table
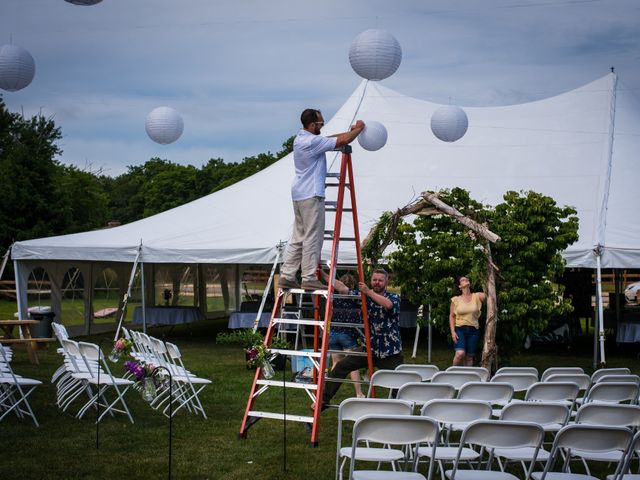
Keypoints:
pixel 24 327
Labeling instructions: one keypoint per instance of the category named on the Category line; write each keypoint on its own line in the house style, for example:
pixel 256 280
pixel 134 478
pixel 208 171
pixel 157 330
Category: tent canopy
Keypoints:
pixel 580 148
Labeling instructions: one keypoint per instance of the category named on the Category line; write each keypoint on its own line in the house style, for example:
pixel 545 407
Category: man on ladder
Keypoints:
pixel 307 193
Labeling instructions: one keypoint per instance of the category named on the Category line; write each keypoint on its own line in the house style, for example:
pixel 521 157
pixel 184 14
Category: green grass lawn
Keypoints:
pixel 65 448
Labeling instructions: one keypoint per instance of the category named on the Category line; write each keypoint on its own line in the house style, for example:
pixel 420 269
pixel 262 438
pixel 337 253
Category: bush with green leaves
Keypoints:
pixel 432 251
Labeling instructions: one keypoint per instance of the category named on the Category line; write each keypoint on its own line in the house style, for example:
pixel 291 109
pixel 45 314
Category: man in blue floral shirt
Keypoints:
pixel 383 310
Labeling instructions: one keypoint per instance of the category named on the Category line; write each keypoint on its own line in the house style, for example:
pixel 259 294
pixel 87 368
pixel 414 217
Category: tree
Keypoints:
pixel 33 204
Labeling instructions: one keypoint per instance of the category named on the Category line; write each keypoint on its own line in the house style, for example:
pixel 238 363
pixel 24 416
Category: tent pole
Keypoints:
pixel 125 300
pixel 600 309
pixel 429 335
pixel 18 281
pixel 256 322
pixel 4 261
pixel 144 316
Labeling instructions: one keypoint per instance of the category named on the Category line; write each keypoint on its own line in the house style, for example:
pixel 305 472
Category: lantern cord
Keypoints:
pixel 353 118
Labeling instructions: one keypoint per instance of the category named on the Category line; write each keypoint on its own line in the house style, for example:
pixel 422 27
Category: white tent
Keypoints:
pixel 580 147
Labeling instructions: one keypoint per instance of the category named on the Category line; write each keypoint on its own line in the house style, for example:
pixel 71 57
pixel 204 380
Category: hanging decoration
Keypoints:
pixel 84 2
pixel 17 68
pixel 164 125
pixel 373 137
pixel 449 123
pixel 375 54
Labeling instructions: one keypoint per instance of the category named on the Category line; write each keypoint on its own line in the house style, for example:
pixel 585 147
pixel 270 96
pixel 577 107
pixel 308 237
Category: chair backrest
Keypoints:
pixel 614 392
pixel 500 434
pixel 609 371
pixel 392 379
pixel 532 370
pixel 560 370
pixel 483 372
pixel 552 391
pixel 403 430
pixel 537 412
pixel 581 379
pixel 457 379
pixel 619 378
pixel 173 351
pixel 59 331
pixel 353 409
pixel 617 415
pixel 492 392
pixel 456 411
pixel 519 381
pixel 588 439
pixel 421 393
pixel 427 371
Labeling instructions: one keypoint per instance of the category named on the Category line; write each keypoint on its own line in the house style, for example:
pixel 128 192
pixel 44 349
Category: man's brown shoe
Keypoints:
pixel 285 283
pixel 313 285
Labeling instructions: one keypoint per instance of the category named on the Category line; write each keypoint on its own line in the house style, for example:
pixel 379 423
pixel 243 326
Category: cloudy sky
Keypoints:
pixel 241 71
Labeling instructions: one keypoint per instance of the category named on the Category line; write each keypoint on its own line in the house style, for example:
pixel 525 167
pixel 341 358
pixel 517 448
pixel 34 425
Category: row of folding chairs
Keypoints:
pixel 14 389
pixel 592 439
pixel 85 380
pixel 185 387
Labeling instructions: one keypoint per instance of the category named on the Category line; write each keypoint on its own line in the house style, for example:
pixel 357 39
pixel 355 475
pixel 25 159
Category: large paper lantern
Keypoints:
pixel 375 54
pixel 84 2
pixel 164 125
pixel 373 137
pixel 17 68
pixel 449 123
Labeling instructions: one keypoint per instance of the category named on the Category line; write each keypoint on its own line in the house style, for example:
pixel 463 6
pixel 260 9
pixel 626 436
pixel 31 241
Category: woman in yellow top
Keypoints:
pixel 463 322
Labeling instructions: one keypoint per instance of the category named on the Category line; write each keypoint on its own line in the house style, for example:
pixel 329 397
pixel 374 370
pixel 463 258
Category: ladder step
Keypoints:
pixel 348 353
pixel 347 295
pixel 276 383
pixel 295 353
pixel 281 416
pixel 329 185
pixel 332 206
pixel 333 174
pixel 310 292
pixel 302 321
pixel 345 324
pixel 328 235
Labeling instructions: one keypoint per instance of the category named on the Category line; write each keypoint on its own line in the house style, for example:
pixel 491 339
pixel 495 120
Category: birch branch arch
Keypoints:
pixel 381 236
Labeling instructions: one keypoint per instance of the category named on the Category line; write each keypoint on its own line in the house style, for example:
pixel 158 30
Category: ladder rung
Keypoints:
pixel 330 185
pixel 281 416
pixel 276 383
pixel 302 321
pixel 311 292
pixel 333 174
pixel 347 353
pixel 329 235
pixel 332 206
pixel 295 353
pixel 344 324
pixel 347 295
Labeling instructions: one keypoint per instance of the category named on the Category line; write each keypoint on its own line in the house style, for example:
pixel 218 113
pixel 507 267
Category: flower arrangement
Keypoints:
pixel 148 379
pixel 256 353
pixel 122 346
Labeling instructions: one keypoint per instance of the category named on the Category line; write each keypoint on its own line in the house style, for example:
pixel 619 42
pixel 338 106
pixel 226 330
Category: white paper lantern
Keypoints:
pixel 164 125
pixel 373 137
pixel 17 68
pixel 449 123
pixel 375 54
pixel 84 2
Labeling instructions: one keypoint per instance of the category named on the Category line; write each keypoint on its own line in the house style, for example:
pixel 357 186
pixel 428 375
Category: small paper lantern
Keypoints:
pixel 373 137
pixel 375 54
pixel 17 68
pixel 83 2
pixel 164 125
pixel 449 123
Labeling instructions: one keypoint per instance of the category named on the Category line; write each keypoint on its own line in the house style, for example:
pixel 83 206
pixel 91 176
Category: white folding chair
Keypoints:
pixel 553 392
pixel 632 451
pixel 405 431
pixel 613 392
pixel 101 377
pixel 392 380
pixel 550 416
pixel 560 371
pixel 75 381
pixel 457 379
pixel 595 376
pixel 532 370
pixel 450 415
pixel 483 372
pixel 14 391
pixel 497 394
pixel 619 378
pixel 519 381
pixel 351 410
pixel 420 393
pixel 193 384
pixel 427 371
pixel 586 439
pixel 492 435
